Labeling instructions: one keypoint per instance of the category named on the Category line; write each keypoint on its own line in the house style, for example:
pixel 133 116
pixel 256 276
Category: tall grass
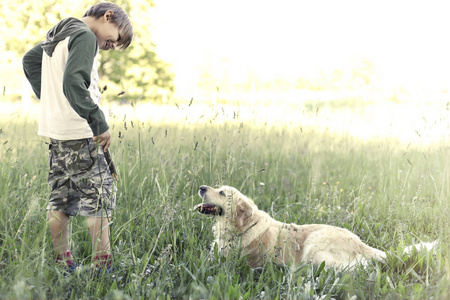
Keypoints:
pixel 389 193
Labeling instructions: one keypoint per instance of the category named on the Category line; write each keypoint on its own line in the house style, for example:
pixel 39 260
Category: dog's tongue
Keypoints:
pixel 205 208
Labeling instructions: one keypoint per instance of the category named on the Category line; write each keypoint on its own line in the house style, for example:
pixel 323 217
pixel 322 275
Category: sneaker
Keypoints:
pixel 65 260
pixel 70 269
pixel 103 265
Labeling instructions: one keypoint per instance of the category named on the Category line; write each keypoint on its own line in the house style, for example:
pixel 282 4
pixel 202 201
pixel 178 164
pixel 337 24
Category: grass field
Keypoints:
pixel 388 192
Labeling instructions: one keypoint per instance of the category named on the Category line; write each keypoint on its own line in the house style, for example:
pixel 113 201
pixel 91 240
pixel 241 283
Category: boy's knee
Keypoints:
pixel 100 222
pixel 57 216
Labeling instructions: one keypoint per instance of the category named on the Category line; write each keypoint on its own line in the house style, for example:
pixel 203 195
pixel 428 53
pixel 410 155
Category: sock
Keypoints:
pixel 65 258
pixel 102 261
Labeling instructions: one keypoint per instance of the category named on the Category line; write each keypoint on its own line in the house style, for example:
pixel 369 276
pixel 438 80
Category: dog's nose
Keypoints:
pixel 202 190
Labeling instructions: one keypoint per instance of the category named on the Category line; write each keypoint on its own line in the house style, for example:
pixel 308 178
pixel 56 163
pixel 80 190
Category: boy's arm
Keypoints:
pixel 77 79
pixel 32 67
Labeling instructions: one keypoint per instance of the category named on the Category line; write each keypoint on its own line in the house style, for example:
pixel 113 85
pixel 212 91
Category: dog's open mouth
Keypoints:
pixel 208 209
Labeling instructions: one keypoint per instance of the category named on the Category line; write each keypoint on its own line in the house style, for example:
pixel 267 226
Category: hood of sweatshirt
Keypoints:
pixel 60 31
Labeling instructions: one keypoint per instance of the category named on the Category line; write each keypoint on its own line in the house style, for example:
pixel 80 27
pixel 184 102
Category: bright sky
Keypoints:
pixel 407 41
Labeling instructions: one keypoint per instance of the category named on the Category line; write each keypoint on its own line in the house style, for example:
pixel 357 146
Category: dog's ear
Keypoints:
pixel 244 213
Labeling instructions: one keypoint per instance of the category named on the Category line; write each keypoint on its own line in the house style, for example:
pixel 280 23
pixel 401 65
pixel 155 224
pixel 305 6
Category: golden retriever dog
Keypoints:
pixel 239 223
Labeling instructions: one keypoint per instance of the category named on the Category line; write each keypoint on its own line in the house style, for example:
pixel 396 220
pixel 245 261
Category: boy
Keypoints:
pixel 62 71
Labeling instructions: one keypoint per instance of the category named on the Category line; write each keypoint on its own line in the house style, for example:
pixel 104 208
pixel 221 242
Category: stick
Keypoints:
pixel 111 166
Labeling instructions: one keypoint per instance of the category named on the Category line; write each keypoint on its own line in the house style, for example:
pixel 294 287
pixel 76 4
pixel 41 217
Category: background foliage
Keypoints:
pixel 138 71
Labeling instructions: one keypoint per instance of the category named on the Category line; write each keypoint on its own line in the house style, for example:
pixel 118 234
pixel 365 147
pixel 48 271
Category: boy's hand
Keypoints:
pixel 104 140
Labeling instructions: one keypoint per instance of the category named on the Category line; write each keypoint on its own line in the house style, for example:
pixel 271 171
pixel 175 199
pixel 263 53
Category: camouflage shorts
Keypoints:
pixel 80 180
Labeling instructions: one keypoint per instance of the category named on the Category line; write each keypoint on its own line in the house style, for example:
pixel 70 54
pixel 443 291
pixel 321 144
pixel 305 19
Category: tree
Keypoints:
pixel 138 71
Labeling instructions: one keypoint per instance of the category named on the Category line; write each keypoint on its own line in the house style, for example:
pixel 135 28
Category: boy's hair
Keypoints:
pixel 120 18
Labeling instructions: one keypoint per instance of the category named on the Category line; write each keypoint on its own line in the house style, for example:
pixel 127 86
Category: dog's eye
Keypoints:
pixel 222 193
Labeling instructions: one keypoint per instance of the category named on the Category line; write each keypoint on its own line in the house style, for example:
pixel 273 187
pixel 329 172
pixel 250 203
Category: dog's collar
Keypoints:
pixel 240 234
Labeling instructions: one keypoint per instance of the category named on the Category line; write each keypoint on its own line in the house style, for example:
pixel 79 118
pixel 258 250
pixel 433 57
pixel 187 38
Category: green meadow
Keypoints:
pixel 388 192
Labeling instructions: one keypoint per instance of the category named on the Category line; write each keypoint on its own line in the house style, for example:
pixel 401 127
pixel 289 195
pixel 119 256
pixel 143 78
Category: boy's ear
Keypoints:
pixel 108 15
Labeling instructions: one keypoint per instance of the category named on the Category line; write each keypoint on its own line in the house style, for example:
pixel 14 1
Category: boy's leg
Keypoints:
pixel 99 229
pixel 59 229
pixel 57 179
pixel 97 202
pixel 64 199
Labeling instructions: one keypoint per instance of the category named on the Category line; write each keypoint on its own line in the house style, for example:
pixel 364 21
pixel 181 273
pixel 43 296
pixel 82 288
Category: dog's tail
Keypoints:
pixel 381 256
pixel 422 246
